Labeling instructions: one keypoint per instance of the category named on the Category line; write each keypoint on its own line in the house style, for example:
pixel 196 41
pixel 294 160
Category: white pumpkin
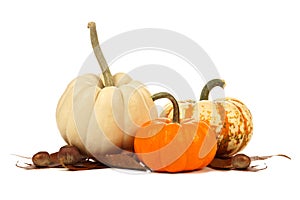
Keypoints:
pixel 100 115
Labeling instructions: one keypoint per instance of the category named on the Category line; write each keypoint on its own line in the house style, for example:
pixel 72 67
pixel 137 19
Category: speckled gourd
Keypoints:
pixel 231 119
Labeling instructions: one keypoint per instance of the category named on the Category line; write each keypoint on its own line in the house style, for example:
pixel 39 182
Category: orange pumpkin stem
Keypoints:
pixel 108 79
pixel 160 95
pixel 209 86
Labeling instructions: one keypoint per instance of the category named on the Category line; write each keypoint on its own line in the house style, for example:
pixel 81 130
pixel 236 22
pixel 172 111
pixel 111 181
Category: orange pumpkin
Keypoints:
pixel 230 118
pixel 173 146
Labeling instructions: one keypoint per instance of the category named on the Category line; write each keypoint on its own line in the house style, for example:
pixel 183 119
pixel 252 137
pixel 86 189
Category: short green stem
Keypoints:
pixel 209 86
pixel 108 80
pixel 160 95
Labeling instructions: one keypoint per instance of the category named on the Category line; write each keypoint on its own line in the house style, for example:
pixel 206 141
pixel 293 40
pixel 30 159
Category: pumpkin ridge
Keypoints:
pixel 69 131
pixel 170 160
pixel 225 132
pixel 247 128
pixel 192 152
pixel 239 136
pixel 83 92
pixel 63 101
pixel 68 90
pixel 125 136
pixel 91 120
pixel 183 158
pixel 145 94
pixel 223 137
pixel 135 89
pixel 246 113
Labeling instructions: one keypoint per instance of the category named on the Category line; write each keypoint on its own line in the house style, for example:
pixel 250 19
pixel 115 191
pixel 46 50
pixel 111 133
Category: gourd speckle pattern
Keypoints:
pixel 230 118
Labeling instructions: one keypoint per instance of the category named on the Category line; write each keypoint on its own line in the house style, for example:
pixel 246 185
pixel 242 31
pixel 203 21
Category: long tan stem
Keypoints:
pixel 108 80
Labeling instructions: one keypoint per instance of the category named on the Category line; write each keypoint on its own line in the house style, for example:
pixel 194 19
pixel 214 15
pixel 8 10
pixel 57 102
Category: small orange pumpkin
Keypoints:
pixel 173 146
pixel 230 117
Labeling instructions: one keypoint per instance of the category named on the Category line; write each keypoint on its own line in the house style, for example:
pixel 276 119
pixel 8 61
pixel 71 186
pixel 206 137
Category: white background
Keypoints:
pixel 254 44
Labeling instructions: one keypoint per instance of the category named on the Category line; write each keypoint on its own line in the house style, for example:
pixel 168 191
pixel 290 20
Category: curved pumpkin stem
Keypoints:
pixel 160 95
pixel 209 86
pixel 108 80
